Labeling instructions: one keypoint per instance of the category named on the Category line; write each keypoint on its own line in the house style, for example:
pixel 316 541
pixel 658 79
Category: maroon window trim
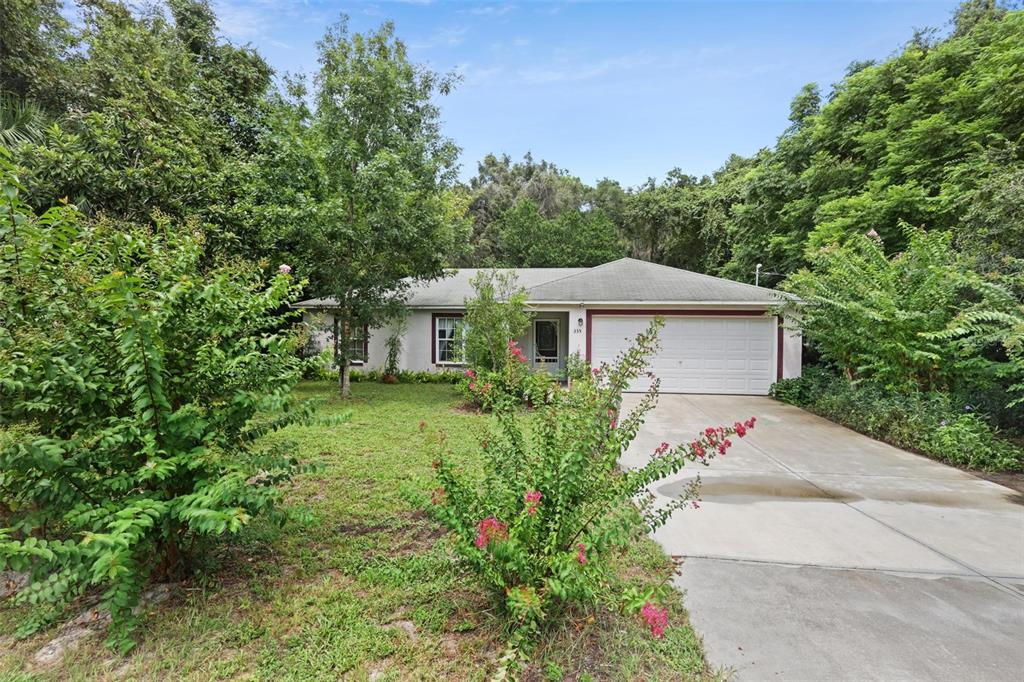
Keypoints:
pixel 665 313
pixel 433 333
pixel 366 343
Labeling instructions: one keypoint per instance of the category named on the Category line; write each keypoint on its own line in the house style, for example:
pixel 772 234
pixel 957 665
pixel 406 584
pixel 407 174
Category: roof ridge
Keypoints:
pixel 583 271
pixel 707 276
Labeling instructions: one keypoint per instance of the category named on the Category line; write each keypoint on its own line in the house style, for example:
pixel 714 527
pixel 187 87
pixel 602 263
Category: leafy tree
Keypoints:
pixel 384 221
pixel 572 239
pixel 160 115
pixel 136 387
pixel 882 320
pixel 495 315
pixel 501 184
pixel 36 51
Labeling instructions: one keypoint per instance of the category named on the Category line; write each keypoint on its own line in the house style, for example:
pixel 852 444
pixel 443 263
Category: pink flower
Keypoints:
pixel 741 430
pixel 472 385
pixel 284 269
pixel 596 371
pixel 656 619
pixel 532 499
pixel 697 448
pixel 471 374
pixel 724 445
pixel 581 553
pixel 750 422
pixel 488 530
pixel 661 449
pixel 615 422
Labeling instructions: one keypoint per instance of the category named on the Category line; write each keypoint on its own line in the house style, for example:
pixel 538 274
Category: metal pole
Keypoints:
pixel 757 276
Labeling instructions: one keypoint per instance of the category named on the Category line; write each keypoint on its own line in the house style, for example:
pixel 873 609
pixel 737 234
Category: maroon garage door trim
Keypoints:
pixel 684 313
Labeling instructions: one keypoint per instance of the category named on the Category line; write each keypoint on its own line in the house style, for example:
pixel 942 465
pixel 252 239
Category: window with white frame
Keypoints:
pixel 357 347
pixel 449 339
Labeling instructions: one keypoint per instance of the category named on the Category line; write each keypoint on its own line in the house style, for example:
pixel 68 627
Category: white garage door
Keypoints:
pixel 698 354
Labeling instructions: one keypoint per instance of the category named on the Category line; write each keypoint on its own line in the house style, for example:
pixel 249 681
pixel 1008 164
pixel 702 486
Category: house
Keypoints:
pixel 720 336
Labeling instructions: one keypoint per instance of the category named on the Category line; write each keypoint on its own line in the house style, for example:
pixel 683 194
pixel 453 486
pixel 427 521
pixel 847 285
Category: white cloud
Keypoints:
pixel 491 10
pixel 566 71
pixel 472 74
pixel 241 22
pixel 446 37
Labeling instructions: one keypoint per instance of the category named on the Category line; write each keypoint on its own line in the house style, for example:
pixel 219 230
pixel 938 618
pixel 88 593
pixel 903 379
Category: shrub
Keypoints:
pixel 515 384
pixel 134 389
pixel 919 320
pixel 539 521
pixel 495 314
pixel 932 423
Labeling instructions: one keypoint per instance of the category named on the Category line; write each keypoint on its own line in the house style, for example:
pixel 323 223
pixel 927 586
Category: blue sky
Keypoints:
pixel 603 89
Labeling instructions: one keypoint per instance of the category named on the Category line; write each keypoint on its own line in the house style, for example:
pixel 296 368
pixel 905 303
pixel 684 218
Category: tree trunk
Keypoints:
pixel 341 357
pixel 344 382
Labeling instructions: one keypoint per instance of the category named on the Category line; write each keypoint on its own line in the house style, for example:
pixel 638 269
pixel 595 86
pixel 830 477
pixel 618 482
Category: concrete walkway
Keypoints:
pixel 820 554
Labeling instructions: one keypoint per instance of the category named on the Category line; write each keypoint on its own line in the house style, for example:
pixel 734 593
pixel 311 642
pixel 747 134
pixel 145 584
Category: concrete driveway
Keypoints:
pixel 820 554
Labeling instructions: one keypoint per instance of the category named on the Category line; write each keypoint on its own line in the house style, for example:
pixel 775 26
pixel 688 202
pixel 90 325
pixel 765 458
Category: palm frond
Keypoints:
pixel 21 121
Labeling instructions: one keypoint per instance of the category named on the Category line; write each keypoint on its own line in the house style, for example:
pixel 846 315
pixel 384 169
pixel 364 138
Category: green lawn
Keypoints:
pixel 368 586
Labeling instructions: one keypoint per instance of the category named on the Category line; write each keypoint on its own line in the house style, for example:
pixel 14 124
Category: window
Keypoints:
pixel 449 339
pixel 357 346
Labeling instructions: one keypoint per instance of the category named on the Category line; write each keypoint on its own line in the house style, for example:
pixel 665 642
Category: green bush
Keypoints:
pixel 134 391
pixel 932 423
pixel 541 518
pixel 513 385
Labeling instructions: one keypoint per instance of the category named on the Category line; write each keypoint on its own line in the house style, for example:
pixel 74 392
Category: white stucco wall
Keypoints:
pixel 418 341
pixel 792 350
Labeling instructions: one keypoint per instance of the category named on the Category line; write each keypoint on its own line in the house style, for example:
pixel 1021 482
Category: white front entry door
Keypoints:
pixel 734 355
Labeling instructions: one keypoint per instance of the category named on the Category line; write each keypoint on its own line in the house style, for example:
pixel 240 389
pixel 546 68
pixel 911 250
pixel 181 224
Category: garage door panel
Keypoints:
pixel 697 354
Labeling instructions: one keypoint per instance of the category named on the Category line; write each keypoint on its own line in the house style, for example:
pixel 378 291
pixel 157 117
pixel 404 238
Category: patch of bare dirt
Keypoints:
pixel 1014 480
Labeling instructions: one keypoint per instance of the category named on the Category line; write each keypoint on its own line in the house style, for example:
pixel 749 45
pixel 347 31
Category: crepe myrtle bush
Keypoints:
pixel 541 518
pixel 137 387
pixel 512 385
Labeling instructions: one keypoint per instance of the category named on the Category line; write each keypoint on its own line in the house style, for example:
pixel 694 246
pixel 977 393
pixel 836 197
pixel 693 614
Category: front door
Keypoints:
pixel 545 345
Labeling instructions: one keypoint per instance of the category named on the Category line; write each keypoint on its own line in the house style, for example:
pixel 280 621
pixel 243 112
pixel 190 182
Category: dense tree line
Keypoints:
pixel 930 137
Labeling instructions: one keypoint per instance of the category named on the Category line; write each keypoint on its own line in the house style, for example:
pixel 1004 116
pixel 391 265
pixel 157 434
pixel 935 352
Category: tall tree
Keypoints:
pixel 385 221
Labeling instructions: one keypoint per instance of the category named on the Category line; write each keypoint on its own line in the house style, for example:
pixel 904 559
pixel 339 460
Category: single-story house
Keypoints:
pixel 720 336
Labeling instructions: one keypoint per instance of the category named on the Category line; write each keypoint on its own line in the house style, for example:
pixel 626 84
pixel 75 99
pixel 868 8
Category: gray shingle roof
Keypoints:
pixel 637 281
pixel 626 280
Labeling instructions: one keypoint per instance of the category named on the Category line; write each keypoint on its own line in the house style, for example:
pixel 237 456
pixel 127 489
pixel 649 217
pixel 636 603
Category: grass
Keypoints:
pixel 365 586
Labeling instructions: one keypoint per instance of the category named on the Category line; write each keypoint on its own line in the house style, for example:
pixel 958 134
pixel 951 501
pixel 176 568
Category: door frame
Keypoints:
pixel 558 343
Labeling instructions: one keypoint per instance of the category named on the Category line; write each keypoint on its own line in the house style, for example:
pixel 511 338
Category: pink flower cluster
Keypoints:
pixel 532 499
pixel 656 619
pixel 697 448
pixel 284 269
pixel 517 353
pixel 661 449
pixel 473 386
pixel 488 530
pixel 581 553
pixel 741 429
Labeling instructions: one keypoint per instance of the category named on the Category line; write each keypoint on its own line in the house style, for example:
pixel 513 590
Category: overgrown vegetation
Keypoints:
pixel 135 388
pixel 364 584
pixel 932 423
pixel 541 519
pixel 919 321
